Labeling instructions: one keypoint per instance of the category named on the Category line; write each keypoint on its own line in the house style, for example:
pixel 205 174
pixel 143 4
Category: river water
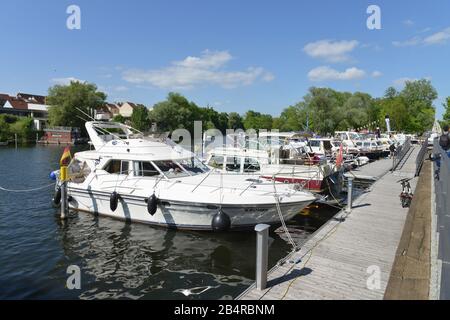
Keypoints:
pixel 116 259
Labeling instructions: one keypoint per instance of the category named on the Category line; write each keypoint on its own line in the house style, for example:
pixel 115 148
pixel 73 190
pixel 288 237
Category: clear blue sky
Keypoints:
pixel 233 55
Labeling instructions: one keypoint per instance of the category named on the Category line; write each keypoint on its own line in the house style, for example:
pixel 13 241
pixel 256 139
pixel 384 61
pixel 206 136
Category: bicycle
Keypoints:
pixel 406 195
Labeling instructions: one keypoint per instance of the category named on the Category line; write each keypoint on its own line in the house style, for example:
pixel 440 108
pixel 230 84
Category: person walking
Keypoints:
pixel 392 149
pixel 444 140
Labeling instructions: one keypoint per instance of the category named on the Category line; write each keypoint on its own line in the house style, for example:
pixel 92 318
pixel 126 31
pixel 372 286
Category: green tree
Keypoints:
pixel 390 93
pixel 140 119
pixel 256 120
pixel 65 101
pixel 235 121
pixel 174 113
pixel 323 109
pixel 119 118
pixel 446 116
pixel 11 125
pixel 419 96
pixel 293 118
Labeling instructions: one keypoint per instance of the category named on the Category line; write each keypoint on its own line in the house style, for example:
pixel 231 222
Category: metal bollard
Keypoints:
pixel 64 195
pixel 63 200
pixel 262 244
pixel 349 194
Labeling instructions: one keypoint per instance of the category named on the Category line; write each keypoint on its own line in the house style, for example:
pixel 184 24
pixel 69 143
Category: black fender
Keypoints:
pixel 152 204
pixel 221 221
pixel 114 201
pixel 57 197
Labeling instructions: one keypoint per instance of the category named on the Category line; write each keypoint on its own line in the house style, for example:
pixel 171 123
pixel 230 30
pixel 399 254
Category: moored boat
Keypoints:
pixel 132 177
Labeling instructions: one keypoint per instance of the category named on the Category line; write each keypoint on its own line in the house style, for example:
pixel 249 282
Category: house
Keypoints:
pixel 113 109
pixel 126 109
pixel 61 135
pixel 26 105
pixel 32 98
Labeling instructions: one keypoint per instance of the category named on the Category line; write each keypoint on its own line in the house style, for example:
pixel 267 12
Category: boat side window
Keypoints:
pixel 216 161
pixel 144 169
pixel 314 143
pixel 192 165
pixel 251 165
pixel 233 164
pixel 116 167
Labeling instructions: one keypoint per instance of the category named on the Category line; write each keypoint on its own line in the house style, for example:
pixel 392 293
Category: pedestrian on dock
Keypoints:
pixel 444 140
pixel 392 149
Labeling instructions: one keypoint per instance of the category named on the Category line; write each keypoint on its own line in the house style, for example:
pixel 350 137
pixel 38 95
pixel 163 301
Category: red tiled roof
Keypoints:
pixel 18 104
pixel 32 98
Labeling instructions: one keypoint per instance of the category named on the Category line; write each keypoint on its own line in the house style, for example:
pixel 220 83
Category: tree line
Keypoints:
pixel 322 110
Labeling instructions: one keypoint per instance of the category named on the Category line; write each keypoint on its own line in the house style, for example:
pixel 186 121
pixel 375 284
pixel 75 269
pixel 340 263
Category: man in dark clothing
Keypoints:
pixel 444 140
pixel 392 149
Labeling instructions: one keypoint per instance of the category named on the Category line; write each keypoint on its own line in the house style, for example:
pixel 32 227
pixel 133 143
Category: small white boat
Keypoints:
pixel 3 143
pixel 132 177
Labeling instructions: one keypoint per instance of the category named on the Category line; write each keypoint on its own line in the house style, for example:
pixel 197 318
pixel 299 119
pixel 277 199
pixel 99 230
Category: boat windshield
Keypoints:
pixel 193 166
pixel 180 168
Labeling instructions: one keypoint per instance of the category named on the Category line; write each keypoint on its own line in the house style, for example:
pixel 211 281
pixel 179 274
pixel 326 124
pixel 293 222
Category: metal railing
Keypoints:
pixel 400 153
pixel 442 185
pixel 421 155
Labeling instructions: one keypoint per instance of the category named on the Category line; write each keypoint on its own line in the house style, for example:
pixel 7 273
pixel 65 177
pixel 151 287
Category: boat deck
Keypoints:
pixel 352 255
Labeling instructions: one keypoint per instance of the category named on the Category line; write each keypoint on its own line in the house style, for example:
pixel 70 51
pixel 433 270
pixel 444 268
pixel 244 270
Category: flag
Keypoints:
pixel 340 156
pixel 66 157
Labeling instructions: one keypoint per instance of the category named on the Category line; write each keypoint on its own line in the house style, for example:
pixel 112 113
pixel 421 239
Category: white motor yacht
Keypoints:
pixel 154 181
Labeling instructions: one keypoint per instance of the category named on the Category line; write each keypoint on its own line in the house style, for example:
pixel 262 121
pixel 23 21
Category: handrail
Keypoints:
pixel 421 156
pixel 401 153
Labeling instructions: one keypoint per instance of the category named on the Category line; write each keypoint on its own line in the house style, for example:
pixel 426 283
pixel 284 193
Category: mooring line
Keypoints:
pixel 26 190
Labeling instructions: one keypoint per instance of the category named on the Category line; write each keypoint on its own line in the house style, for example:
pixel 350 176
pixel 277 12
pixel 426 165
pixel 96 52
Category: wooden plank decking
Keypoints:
pixel 348 252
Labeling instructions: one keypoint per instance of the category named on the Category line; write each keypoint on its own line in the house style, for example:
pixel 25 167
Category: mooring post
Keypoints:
pixel 64 204
pixel 15 139
pixel 262 245
pixel 349 194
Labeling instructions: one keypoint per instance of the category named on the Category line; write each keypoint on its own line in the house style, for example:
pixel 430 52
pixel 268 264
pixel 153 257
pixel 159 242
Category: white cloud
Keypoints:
pixel 325 73
pixel 65 81
pixel 438 37
pixel 400 83
pixel 120 88
pixel 376 74
pixel 331 51
pixel 194 71
pixel 408 22
pixel 408 43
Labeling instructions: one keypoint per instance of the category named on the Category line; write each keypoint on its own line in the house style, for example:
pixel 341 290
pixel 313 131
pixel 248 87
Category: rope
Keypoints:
pixel 26 190
pixel 283 223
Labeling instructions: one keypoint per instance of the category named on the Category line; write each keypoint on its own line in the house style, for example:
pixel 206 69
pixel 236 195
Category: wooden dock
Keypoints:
pixel 352 255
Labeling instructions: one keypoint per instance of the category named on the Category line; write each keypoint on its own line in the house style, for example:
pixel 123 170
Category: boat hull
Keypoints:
pixel 181 215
